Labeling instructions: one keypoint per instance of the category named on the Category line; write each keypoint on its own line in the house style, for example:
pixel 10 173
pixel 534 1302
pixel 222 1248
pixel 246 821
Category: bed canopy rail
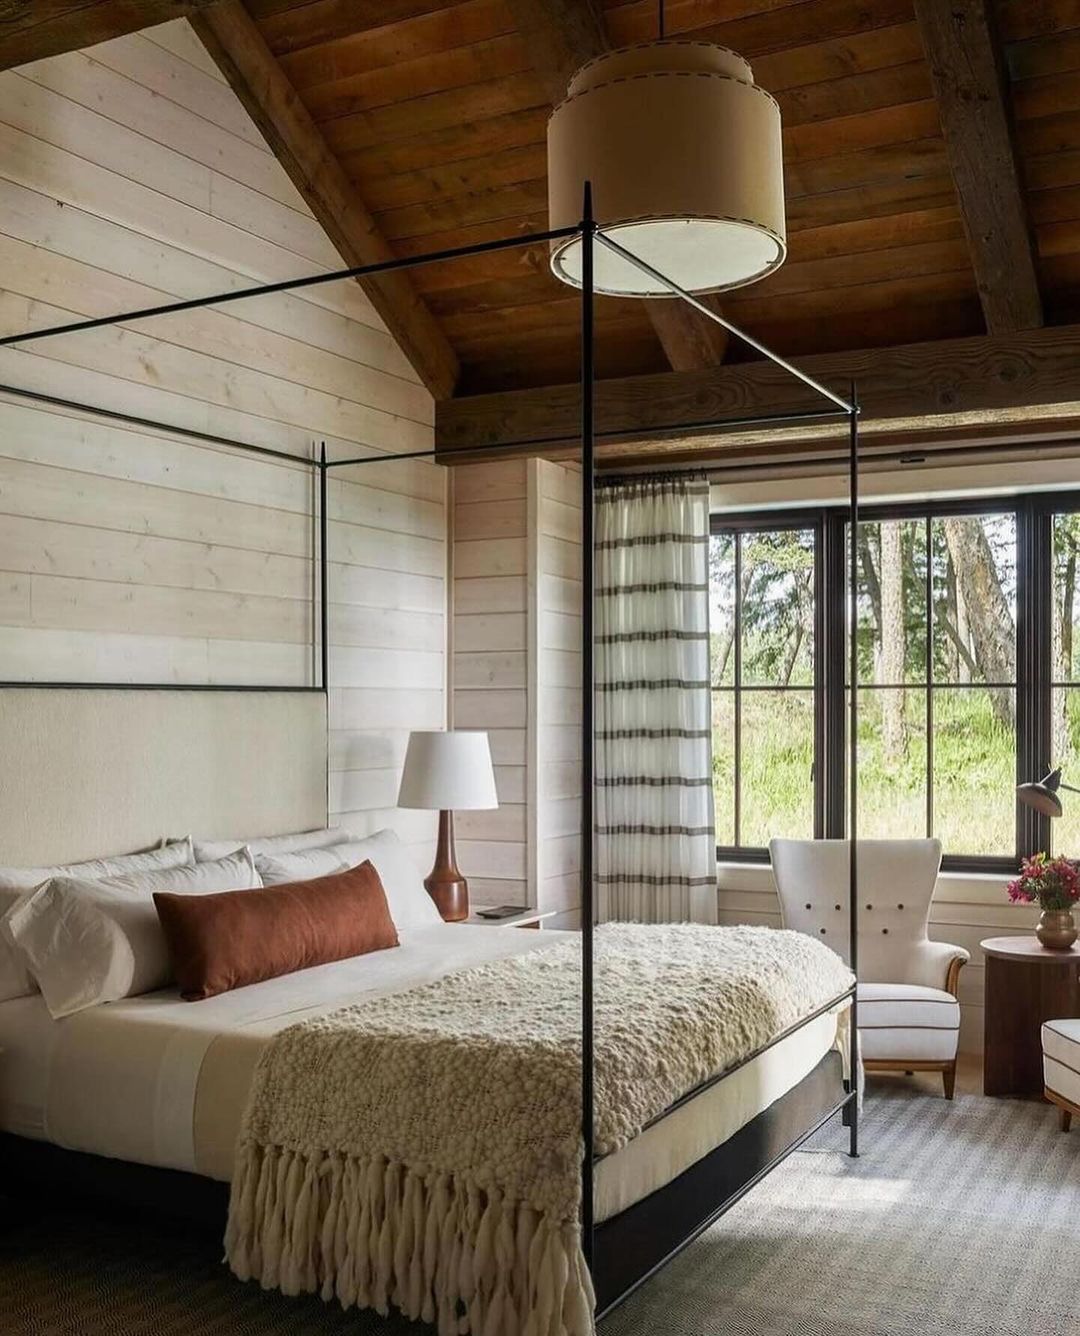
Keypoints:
pixel 679 1208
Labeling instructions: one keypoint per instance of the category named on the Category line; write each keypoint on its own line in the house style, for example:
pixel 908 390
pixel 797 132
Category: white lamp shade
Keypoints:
pixel 684 155
pixel 447 772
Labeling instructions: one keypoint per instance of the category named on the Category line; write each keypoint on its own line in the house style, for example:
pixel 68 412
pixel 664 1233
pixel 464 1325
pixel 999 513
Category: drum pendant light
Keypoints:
pixel 683 152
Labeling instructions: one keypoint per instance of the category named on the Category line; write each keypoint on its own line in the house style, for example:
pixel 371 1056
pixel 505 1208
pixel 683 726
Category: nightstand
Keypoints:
pixel 528 918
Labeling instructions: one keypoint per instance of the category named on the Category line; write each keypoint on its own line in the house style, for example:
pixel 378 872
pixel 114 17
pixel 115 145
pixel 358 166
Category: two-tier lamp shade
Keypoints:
pixel 683 153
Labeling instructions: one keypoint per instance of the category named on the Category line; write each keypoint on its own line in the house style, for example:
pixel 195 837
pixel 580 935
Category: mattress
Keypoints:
pixel 170 1079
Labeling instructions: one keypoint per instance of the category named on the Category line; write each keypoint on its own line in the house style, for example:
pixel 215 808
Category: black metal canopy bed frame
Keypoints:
pixel 625 1250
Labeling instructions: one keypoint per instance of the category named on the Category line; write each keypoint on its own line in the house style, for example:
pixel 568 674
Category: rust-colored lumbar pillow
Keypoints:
pixel 224 941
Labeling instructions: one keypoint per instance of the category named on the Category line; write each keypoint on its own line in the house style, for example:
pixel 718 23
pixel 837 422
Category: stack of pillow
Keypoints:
pixel 88 933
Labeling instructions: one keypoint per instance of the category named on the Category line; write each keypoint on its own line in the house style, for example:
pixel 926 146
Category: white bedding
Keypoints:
pixel 142 1059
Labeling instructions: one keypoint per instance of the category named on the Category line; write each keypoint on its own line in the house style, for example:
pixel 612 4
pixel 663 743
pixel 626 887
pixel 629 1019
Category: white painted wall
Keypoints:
pixel 131 175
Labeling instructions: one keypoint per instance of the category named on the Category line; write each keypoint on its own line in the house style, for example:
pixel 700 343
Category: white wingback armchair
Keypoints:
pixel 909 1016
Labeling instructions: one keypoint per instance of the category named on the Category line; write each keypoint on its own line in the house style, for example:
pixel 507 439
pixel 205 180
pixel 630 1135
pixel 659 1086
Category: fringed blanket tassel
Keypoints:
pixel 373 1234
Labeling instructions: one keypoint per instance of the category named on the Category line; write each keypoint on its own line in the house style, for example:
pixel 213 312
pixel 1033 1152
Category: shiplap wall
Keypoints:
pixel 130 175
pixel 555 527
pixel 490 651
pixel 966 909
pixel 516 673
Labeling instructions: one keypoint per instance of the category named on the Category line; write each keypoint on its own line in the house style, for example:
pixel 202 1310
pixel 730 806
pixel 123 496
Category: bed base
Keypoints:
pixel 629 1247
pixel 49 1177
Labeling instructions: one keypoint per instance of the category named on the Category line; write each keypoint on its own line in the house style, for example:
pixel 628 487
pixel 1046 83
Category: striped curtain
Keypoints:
pixel 656 846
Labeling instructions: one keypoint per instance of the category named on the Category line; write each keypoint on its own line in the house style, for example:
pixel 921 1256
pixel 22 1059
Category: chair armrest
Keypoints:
pixel 938 965
pixel 952 978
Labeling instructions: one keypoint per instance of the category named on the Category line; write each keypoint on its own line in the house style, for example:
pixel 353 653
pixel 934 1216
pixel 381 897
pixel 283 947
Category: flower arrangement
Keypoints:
pixel 1053 882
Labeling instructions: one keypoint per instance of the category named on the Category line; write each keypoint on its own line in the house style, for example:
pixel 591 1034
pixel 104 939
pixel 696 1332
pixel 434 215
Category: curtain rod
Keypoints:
pixel 913 457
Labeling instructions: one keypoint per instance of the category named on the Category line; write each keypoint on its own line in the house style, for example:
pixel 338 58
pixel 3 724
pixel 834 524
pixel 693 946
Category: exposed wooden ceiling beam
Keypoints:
pixel 560 36
pixel 237 46
pixel 1027 377
pixel 969 81
pixel 35 31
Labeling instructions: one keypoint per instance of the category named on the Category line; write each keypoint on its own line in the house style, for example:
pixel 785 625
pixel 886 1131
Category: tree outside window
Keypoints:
pixel 1065 668
pixel 937 680
pixel 938 590
pixel 764 666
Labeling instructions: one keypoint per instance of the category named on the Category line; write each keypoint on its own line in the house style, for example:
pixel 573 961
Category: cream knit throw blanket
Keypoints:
pixel 423 1149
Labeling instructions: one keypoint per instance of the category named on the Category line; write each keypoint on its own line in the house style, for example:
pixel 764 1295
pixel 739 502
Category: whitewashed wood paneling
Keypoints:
pixel 556 556
pixel 131 175
pixel 490 669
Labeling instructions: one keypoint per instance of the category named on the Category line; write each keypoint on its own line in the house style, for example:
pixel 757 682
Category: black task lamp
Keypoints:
pixel 1043 796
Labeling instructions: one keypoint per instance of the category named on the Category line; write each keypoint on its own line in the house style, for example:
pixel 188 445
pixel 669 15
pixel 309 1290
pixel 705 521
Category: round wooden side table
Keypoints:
pixel 1025 985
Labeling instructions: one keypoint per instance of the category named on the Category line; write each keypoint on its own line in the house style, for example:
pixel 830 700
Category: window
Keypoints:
pixel 764 675
pixel 951 713
pixel 937 681
pixel 1065 673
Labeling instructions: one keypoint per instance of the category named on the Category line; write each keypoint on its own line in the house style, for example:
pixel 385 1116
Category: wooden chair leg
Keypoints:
pixel 1066 1119
pixel 948 1080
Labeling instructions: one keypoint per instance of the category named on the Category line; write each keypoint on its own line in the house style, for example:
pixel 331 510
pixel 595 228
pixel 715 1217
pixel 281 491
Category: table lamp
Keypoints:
pixel 448 772
pixel 1043 795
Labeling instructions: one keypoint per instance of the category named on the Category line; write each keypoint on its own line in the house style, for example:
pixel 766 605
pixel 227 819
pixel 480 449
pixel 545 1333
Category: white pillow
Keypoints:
pixel 409 903
pixel 88 942
pixel 15 981
pixel 209 850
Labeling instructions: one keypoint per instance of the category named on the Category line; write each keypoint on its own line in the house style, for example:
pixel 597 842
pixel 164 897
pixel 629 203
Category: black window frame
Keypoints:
pixel 778 522
pixel 1033 515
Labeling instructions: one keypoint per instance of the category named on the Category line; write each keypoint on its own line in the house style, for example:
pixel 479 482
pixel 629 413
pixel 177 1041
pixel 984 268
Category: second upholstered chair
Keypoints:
pixel 1061 1067
pixel 909 1015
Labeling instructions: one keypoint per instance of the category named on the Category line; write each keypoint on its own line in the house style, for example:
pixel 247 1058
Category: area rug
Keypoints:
pixel 960 1219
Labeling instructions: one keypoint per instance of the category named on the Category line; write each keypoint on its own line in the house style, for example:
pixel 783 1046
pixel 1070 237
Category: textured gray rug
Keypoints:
pixel 960 1220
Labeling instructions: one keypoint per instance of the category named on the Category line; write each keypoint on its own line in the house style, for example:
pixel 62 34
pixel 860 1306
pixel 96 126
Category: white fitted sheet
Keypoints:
pixel 123 1080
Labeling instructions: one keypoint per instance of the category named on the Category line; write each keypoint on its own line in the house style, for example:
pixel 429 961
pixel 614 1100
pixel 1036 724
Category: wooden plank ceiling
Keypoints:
pixel 932 157
pixel 437 112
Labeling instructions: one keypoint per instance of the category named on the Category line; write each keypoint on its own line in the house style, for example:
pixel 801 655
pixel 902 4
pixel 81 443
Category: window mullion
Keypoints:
pixel 929 708
pixel 820 699
pixel 834 671
pixel 737 692
pixel 1034 616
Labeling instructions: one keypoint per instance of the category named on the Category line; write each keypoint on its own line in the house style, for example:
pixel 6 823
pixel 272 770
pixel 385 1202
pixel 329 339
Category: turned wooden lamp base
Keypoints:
pixel 445 884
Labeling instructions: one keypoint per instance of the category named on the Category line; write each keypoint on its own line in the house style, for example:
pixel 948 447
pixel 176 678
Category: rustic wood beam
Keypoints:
pixel 921 389
pixel 31 31
pixel 242 55
pixel 969 80
pixel 560 36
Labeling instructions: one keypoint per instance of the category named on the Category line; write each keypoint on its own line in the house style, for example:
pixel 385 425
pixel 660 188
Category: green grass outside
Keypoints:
pixel 974 771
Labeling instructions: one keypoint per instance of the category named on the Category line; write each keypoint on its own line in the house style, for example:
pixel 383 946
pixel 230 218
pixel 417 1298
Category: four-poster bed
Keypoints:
pixel 624 1248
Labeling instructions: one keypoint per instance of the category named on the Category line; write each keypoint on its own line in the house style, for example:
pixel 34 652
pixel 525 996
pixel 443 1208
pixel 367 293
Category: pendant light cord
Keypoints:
pixel 660 20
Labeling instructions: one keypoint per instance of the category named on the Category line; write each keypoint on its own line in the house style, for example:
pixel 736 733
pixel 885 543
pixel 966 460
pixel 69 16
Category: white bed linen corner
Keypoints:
pixel 143 1058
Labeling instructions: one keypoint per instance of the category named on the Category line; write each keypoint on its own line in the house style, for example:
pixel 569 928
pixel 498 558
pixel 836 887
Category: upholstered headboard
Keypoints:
pixel 88 772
